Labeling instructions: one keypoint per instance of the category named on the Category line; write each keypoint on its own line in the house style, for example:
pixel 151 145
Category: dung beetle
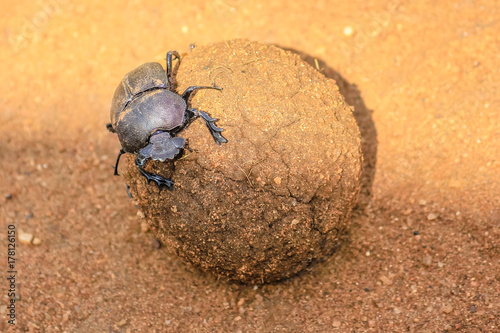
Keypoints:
pixel 147 114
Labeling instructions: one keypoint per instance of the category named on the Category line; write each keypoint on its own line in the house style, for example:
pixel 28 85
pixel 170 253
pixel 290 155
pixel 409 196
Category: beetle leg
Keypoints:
pixel 161 182
pixel 210 123
pixel 110 128
pixel 169 65
pixel 187 93
pixel 128 191
pixel 118 161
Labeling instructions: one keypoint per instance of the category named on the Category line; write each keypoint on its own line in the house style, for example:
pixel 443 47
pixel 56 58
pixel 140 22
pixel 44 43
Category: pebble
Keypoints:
pixel 473 309
pixel 348 31
pixel 144 226
pixel 432 216
pixel 336 324
pixel 427 260
pixel 385 280
pixel 36 241
pixel 156 243
pixel 25 237
pixel 277 180
pixel 122 322
pixel 140 214
pixel 447 308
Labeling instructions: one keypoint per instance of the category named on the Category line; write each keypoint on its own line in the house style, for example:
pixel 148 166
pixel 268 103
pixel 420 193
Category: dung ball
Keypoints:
pixel 277 195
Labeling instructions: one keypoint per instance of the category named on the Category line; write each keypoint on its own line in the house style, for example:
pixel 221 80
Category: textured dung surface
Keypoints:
pixel 275 197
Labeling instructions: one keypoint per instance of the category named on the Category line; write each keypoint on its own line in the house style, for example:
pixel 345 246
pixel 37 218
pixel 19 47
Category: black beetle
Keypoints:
pixel 147 114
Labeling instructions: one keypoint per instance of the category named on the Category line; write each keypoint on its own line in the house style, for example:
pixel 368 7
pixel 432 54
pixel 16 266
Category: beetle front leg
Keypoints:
pixel 186 95
pixel 118 161
pixel 210 123
pixel 161 182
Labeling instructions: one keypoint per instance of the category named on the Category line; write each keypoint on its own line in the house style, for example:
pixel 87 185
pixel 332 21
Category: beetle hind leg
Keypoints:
pixel 210 123
pixel 169 69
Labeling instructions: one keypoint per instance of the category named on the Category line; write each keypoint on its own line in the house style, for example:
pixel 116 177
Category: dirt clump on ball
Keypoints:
pixel 276 196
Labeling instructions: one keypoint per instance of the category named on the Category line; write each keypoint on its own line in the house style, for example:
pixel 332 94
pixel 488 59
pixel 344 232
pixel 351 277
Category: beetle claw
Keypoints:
pixel 160 182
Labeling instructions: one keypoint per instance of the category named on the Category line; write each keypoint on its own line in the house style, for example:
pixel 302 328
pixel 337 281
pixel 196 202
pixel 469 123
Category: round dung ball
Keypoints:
pixel 276 196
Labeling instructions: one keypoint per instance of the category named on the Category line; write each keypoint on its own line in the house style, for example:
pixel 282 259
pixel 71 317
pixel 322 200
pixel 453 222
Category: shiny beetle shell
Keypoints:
pixel 141 106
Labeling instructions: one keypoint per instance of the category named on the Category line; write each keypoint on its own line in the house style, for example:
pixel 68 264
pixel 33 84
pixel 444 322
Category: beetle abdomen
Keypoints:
pixel 145 77
pixel 153 110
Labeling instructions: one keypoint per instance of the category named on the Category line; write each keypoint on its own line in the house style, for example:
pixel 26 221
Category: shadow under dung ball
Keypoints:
pixel 276 196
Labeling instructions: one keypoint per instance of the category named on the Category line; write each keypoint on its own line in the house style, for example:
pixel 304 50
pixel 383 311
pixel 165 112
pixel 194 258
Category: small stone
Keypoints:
pixel 427 260
pixel 144 226
pixel 440 264
pixel 348 31
pixel 416 233
pixel 397 311
pixel 336 324
pixel 432 216
pixel 25 237
pixel 372 323
pixel 174 209
pixel 36 241
pixel 140 214
pixel 156 243
pixel 447 308
pixel 241 301
pixel 422 202
pixel 277 180
pixel 122 322
pixel 294 222
pixel 385 280
pixel 8 196
pixel 473 309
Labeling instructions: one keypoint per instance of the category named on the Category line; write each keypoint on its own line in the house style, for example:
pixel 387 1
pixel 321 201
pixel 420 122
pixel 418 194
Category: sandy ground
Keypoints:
pixel 423 256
